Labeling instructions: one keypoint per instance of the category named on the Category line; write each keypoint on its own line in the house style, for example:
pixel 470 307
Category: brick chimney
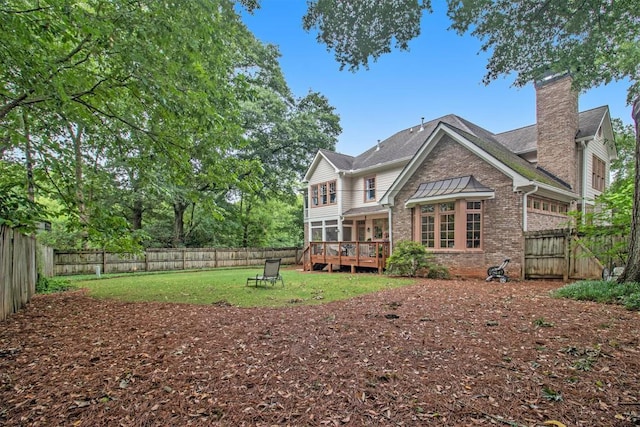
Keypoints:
pixel 557 123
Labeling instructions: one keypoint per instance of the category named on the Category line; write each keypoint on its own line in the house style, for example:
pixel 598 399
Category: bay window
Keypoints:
pixel 450 225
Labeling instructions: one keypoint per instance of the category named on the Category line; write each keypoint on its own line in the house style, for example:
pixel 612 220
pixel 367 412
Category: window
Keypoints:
pixel 447 225
pixel 316 231
pixel 474 215
pixel 598 171
pixel 370 189
pixel 332 192
pixel 451 225
pixel 331 230
pixel 380 228
pixel 323 194
pixel 547 206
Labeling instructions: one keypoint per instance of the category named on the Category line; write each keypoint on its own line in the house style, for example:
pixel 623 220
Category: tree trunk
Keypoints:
pixel 83 215
pixel 179 208
pixel 28 151
pixel 632 270
pixel 136 214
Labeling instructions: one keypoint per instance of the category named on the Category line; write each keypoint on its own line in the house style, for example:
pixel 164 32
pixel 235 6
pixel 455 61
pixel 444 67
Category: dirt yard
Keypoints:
pixel 452 353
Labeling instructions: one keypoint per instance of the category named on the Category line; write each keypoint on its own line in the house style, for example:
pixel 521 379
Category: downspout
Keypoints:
pixel 390 230
pixel 524 225
pixel 583 184
pixel 339 193
pixel 524 207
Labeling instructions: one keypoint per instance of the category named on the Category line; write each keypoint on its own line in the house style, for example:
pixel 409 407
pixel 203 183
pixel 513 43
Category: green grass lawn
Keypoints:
pixel 228 286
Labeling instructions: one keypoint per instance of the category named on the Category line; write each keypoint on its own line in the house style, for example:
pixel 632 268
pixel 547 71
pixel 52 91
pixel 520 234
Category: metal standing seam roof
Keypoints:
pixel 463 184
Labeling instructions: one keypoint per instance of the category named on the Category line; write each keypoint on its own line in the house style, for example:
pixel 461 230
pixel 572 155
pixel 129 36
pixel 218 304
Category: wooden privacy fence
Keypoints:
pixel 558 254
pixel 98 261
pixel 18 273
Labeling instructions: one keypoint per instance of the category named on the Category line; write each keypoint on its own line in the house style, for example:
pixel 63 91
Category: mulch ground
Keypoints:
pixel 448 353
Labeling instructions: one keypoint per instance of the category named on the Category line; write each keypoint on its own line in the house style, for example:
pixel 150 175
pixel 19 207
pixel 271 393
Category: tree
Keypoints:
pixel 597 41
pixel 158 74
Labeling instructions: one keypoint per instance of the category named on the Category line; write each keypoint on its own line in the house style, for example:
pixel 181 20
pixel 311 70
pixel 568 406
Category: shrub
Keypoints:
pixel 49 285
pixel 438 272
pixel 409 258
pixel 608 292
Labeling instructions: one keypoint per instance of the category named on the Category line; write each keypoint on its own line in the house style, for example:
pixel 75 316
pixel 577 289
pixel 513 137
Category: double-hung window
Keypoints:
pixel 323 193
pixel 370 189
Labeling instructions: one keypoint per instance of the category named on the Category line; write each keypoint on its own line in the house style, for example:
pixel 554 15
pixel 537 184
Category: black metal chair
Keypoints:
pixel 271 273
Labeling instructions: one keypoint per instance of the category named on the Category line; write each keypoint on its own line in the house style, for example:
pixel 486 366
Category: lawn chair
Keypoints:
pixel 270 274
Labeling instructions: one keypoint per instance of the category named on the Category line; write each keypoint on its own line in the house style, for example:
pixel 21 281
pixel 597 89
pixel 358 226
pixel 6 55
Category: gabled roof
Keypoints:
pixel 491 146
pixel 402 146
pixel 489 149
pixel 524 140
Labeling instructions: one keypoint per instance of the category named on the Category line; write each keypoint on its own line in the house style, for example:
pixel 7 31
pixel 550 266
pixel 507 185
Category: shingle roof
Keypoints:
pixel 401 145
pixel 524 140
pixel 504 146
pixel 341 161
pixel 369 210
pixel 490 145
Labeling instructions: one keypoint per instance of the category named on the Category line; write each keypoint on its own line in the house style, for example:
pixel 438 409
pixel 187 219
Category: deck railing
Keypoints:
pixel 353 254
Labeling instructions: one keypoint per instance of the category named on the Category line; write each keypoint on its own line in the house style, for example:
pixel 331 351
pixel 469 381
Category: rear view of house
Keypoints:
pixel 467 194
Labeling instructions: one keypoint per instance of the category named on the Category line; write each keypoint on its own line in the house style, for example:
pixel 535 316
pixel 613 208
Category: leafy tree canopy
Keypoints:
pixel 598 41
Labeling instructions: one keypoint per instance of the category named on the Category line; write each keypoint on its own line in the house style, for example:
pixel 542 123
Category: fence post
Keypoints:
pixel 104 261
pixel 567 256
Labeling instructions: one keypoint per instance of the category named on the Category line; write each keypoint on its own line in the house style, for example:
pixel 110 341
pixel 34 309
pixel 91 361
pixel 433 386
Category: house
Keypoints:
pixel 467 194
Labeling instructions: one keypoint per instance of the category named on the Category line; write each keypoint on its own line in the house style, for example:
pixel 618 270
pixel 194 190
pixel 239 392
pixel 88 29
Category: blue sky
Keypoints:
pixel 440 74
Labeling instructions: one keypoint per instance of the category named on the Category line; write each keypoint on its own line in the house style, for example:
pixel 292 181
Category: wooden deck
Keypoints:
pixel 332 255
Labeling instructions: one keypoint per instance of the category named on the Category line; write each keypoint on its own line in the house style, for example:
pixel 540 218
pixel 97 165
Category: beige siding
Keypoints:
pixel 598 148
pixel 384 179
pixel 324 173
pixel 347 193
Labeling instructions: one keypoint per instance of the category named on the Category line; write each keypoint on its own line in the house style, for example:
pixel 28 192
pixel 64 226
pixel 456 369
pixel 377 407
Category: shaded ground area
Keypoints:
pixel 437 353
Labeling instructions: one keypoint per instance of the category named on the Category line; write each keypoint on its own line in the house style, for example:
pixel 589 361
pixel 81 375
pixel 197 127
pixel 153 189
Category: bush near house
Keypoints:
pixel 411 258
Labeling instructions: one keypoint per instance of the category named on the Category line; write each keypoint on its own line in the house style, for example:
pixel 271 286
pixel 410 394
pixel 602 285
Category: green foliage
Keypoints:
pixel 524 37
pixel 49 285
pixel 605 230
pixel 16 209
pixel 360 30
pixel 147 119
pixel 529 36
pixel 438 272
pixel 408 258
pixel 610 292
pixel 551 394
pixel 228 286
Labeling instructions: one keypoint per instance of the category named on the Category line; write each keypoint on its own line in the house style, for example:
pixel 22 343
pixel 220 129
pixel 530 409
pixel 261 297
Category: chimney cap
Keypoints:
pixel 551 76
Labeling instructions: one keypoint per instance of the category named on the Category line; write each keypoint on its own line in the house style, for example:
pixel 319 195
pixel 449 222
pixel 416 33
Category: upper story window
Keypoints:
pixel 547 206
pixel 370 189
pixel 323 194
pixel 451 225
pixel 598 171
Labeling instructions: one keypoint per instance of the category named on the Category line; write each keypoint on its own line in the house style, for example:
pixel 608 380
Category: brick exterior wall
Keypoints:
pixel 502 235
pixel 557 124
pixel 537 221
